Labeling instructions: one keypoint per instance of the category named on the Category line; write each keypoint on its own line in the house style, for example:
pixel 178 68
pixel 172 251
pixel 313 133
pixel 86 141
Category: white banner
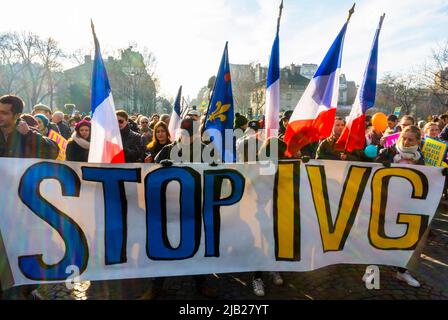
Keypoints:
pixel 142 220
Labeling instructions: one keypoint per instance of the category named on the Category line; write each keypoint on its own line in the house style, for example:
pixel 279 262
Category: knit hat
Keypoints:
pixel 82 123
pixel 43 118
pixel 240 121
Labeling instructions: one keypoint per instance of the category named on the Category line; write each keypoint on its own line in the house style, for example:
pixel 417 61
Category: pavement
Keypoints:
pixel 341 282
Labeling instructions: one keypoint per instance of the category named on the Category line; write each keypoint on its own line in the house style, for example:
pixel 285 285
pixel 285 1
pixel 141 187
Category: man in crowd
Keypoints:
pixel 64 129
pixel 284 121
pixel 392 121
pixel 166 118
pixel 46 111
pixel 17 140
pixel 329 150
pixel 406 121
pixel 443 121
pixel 134 150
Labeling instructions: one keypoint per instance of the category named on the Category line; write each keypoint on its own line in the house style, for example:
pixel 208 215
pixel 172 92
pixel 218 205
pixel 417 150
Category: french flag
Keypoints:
pixel 273 87
pixel 176 117
pixel 313 117
pixel 105 141
pixel 353 136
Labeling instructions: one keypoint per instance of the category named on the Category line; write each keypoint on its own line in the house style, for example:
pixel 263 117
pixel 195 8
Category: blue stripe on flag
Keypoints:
pixel 100 81
pixel 332 60
pixel 177 102
pixel 368 87
pixel 274 64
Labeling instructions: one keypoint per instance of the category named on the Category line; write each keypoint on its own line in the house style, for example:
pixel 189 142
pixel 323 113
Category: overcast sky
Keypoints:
pixel 188 36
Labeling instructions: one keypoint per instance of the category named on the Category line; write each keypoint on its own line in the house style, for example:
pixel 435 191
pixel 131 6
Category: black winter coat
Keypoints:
pixel 134 151
pixel 75 152
pixel 64 129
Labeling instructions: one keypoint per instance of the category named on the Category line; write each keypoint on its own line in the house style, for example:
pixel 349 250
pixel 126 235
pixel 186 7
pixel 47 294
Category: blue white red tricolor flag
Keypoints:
pixel 176 117
pixel 105 142
pixel 313 117
pixel 353 136
pixel 272 109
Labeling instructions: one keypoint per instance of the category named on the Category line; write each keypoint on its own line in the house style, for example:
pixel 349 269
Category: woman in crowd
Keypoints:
pixel 43 124
pixel 405 151
pixel 161 138
pixel 79 144
pixel 432 130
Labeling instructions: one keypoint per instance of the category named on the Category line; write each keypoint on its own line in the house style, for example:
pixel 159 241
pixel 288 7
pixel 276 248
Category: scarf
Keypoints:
pixel 404 153
pixel 83 143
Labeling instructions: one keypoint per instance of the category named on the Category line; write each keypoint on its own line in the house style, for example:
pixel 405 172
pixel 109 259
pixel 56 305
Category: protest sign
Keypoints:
pixel 141 220
pixel 434 152
pixel 391 139
pixel 62 143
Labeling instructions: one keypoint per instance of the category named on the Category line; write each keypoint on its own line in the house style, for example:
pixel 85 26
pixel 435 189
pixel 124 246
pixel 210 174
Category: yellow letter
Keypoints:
pixel 416 224
pixel 335 234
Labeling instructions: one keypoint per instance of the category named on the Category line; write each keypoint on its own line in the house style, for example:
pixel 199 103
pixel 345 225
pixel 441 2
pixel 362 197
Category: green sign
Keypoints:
pixel 397 111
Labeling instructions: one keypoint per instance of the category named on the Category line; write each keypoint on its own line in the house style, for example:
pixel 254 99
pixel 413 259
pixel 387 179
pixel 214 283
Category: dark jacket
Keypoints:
pixel 387 156
pixel 53 126
pixel 134 151
pixel 154 151
pixel 31 145
pixel 133 125
pixel 444 134
pixel 165 153
pixel 328 150
pixel 75 152
pixel 64 130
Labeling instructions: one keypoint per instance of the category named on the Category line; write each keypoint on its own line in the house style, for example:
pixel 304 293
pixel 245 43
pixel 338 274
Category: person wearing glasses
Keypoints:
pixel 134 150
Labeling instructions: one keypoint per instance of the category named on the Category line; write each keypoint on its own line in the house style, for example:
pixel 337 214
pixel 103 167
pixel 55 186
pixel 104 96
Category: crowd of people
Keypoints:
pixel 146 139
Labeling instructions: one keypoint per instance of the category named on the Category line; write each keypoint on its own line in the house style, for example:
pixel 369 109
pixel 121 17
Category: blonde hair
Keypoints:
pixel 428 125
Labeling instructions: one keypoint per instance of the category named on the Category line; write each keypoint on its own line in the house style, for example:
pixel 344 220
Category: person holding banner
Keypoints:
pixel 160 139
pixel 132 141
pixel 330 151
pixel 405 151
pixel 79 144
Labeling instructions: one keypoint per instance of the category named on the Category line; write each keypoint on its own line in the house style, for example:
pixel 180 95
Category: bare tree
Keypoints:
pixel 9 68
pixel 435 75
pixel 50 55
pixel 29 64
pixel 400 90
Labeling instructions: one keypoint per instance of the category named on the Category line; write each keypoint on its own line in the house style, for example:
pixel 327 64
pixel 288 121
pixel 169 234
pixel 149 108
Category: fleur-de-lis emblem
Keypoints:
pixel 219 112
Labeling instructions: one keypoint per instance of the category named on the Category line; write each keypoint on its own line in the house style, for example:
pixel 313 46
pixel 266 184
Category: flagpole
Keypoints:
pixel 93 29
pixel 381 20
pixel 279 17
pixel 351 12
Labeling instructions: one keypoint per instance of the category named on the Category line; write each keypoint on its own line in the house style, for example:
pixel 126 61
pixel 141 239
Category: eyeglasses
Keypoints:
pixel 120 121
pixel 144 122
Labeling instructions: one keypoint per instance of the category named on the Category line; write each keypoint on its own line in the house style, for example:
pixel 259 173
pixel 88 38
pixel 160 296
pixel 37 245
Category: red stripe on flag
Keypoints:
pixel 353 137
pixel 112 153
pixel 303 132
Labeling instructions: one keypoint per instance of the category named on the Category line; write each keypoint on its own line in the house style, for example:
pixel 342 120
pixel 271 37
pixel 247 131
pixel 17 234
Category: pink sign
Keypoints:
pixel 390 140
